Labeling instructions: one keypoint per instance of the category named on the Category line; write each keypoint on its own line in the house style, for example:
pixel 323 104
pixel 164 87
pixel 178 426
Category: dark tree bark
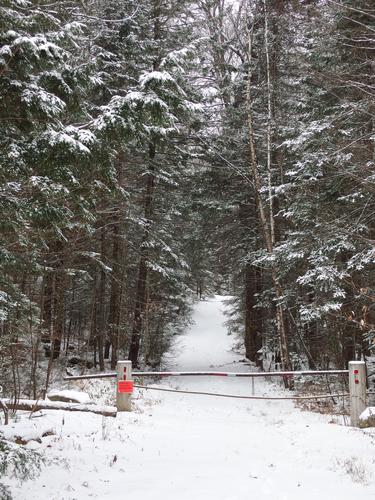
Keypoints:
pixel 141 292
pixel 143 269
pixel 58 303
pixel 100 303
pixel 112 340
pixel 115 297
pixel 253 340
pixel 47 305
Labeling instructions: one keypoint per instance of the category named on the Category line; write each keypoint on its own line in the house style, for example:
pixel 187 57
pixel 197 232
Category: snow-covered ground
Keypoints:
pixel 190 447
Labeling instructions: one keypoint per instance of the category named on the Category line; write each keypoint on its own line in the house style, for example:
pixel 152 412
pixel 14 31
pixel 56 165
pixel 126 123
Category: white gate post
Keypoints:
pixel 357 390
pixel 124 386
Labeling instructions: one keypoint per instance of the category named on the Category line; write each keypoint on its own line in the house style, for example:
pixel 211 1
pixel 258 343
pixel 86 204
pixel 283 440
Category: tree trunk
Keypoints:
pixel 266 224
pixel 47 306
pixel 141 292
pixel 115 296
pixel 253 341
pixel 59 312
pixel 143 269
pixel 100 304
pixel 112 341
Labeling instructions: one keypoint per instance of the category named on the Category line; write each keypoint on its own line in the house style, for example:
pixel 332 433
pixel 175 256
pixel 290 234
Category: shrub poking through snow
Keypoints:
pixel 17 462
pixel 367 418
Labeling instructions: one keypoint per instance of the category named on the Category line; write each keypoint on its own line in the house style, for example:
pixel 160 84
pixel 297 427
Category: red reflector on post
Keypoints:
pixel 356 371
pixel 356 381
pixel 125 386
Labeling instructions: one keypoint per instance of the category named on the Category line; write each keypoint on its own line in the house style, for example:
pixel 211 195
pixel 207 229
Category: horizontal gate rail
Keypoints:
pixel 242 374
pixel 238 396
pixel 93 375
pixel 215 374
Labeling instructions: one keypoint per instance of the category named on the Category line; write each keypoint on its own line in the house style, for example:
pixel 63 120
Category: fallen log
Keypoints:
pixel 33 405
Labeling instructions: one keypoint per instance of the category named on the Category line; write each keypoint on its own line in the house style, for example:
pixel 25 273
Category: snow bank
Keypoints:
pixel 25 431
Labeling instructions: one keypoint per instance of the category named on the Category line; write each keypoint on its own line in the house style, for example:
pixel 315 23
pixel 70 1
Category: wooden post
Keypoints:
pixel 124 386
pixel 357 390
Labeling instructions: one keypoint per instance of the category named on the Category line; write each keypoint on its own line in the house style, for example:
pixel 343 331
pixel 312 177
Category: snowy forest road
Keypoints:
pixel 183 447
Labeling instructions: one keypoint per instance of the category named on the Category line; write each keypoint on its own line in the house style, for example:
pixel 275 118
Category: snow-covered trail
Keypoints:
pixel 183 447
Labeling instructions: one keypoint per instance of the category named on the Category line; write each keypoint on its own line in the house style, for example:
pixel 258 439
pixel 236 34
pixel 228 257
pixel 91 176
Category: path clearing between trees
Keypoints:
pixel 189 447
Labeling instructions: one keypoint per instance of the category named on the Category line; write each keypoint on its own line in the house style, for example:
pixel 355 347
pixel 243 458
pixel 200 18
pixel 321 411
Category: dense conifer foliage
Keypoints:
pixel 155 152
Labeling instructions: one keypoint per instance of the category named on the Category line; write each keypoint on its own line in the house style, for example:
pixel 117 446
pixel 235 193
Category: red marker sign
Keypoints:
pixel 125 386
